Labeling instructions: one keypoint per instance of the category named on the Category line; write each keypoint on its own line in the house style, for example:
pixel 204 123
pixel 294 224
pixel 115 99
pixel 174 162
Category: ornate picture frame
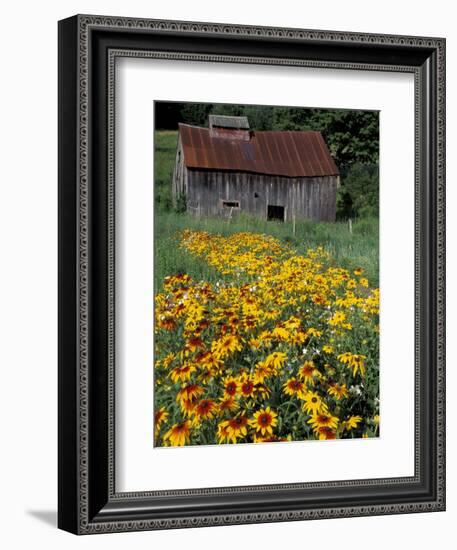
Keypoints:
pixel 88 48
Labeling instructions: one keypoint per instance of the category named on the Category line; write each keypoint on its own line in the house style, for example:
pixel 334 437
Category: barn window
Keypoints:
pixel 231 204
pixel 275 212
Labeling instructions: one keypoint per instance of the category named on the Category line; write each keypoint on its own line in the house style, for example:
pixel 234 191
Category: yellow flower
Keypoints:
pixel 223 433
pixel 205 409
pixel 352 422
pixel 325 432
pixel 182 373
pixel 354 362
pixel 228 404
pixel 159 417
pixel 313 403
pixel 294 387
pixel 307 372
pixel 313 332
pixel 261 371
pixel 337 319
pixel 338 391
pixel 231 386
pixel 281 333
pixel 264 421
pixel 237 427
pixel 247 387
pixel 189 392
pixel 179 434
pixel 226 345
pixel 276 359
pixel 323 420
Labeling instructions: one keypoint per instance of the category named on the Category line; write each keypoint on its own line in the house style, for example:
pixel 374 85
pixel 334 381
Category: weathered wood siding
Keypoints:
pixel 313 198
pixel 179 181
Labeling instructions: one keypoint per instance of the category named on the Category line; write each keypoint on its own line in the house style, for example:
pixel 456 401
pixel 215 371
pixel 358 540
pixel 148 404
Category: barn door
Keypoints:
pixel 275 212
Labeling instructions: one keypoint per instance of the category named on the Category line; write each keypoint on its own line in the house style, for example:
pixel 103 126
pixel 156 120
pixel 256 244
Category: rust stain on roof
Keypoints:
pixel 279 153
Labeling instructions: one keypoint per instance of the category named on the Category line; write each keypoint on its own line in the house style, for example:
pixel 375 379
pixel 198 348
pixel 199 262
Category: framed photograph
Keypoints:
pixel 251 274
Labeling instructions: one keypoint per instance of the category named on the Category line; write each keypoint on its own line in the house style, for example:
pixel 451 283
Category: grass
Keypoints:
pixel 350 250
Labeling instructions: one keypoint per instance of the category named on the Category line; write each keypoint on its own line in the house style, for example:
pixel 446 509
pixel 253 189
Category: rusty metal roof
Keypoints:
pixel 279 153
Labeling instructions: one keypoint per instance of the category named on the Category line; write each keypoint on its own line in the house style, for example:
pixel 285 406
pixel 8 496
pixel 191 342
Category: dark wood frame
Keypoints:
pixel 88 46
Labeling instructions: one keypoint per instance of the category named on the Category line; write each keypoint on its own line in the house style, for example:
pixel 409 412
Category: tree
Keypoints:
pixel 359 194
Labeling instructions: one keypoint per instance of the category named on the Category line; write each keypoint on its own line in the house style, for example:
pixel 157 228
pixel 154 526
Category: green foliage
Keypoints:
pixel 195 113
pixel 181 204
pixel 164 161
pixel 359 194
pixel 352 136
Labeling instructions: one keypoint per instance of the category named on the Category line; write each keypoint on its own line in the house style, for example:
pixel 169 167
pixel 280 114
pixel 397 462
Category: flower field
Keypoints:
pixel 281 347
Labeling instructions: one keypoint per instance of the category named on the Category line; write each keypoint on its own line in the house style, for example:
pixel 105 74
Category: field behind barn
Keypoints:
pixel 349 249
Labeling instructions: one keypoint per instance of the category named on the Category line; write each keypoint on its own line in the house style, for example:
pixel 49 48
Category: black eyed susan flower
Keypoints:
pixel 276 360
pixel 187 406
pixel 167 323
pixel 237 427
pixel 205 409
pixel 183 373
pixel 325 432
pixel 190 392
pixel 261 372
pixel 323 420
pixel 352 422
pixel 224 434
pixel 264 421
pixel 280 333
pixel 159 417
pixel 194 344
pixel 256 438
pixel 210 361
pixel 227 345
pixel 229 404
pixel 247 387
pixel 179 434
pixel 313 403
pixel 308 372
pixel 294 387
pixel 231 386
pixel 354 362
pixel 338 391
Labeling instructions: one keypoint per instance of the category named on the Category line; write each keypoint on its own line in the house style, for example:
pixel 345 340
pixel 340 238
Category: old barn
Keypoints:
pixel 277 175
